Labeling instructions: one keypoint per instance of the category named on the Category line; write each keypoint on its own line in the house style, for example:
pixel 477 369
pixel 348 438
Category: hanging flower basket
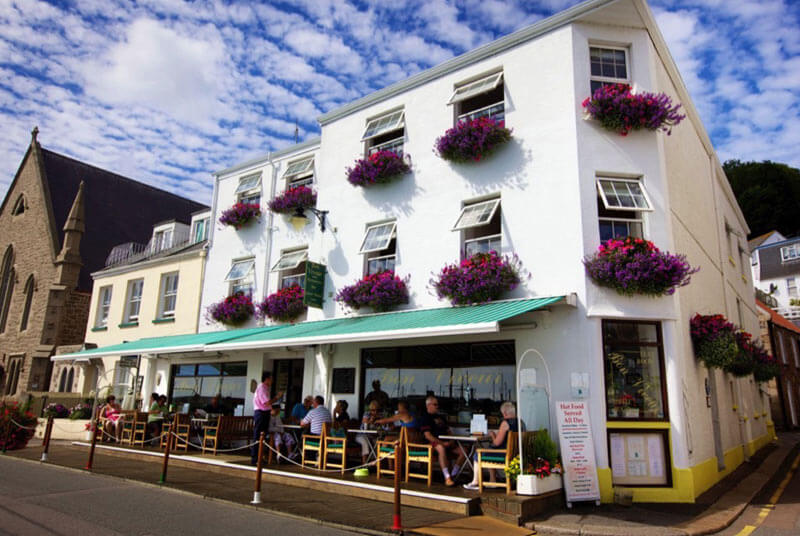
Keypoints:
pixel 472 140
pixel 17 425
pixel 765 366
pixel 379 167
pixel 479 279
pixel 233 310
pixel 382 291
pixel 301 197
pixel 636 266
pixel 714 340
pixel 284 305
pixel 240 215
pixel 620 110
pixel 742 363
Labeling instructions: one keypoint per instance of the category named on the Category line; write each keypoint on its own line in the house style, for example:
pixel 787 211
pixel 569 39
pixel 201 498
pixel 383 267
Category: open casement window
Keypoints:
pixel 299 173
pixel 379 248
pixel 169 296
pixel 620 203
pixel 480 224
pixel 484 97
pixel 609 65
pixel 134 301
pixel 103 306
pixel 249 189
pixel 291 268
pixel 240 277
pixel 385 133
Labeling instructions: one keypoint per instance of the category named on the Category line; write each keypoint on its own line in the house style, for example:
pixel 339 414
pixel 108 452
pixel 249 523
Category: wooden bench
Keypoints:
pixel 227 430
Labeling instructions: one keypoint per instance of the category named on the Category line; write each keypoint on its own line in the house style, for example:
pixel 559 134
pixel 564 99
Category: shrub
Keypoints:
pixel 17 425
pixel 301 197
pixel 714 340
pixel 636 266
pixel 233 310
pixel 240 214
pixel 621 111
pixel 479 279
pixel 472 140
pixel 382 291
pixel 57 411
pixel 284 305
pixel 379 167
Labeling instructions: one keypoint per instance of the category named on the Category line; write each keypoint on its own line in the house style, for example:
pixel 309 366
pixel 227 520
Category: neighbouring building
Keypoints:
pixel 58 221
pixel 549 197
pixel 782 339
pixel 775 262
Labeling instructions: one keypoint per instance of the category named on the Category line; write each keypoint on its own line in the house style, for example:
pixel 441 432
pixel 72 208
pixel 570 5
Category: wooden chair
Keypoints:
pixel 182 430
pixel 387 450
pixel 315 443
pixel 336 445
pixel 419 453
pixel 139 428
pixel 128 419
pixel 492 459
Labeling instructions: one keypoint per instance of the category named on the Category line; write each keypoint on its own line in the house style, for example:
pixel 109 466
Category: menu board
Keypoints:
pixel 315 285
pixel 638 458
pixel 577 452
pixel 344 380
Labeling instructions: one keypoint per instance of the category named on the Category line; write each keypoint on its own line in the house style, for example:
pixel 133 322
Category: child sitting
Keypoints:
pixel 276 433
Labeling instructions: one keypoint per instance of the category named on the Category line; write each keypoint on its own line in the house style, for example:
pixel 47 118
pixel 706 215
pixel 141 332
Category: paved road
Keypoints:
pixel 775 511
pixel 48 500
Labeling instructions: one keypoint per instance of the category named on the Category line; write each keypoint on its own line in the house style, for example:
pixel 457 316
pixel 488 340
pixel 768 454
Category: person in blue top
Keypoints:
pixel 499 439
pixel 300 410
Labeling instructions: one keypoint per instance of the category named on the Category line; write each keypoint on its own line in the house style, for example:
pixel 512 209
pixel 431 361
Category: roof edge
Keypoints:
pixel 263 159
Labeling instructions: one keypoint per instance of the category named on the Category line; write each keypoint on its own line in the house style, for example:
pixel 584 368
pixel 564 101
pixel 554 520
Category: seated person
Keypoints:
pixel 402 418
pixel 317 417
pixel 110 419
pixel 368 422
pixel 155 417
pixel 300 410
pixel 212 408
pixel 341 419
pixel 499 440
pixel 432 425
pixel 276 433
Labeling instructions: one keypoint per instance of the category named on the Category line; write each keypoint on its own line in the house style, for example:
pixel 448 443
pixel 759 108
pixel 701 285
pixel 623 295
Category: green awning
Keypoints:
pixel 418 323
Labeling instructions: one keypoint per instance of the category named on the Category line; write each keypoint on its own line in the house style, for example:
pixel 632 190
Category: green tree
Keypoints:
pixel 768 193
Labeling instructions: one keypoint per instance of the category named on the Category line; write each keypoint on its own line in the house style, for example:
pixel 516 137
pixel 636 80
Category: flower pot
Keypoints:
pixel 631 413
pixel 533 485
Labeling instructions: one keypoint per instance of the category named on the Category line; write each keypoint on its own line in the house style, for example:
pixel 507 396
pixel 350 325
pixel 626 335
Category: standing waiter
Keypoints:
pixel 263 405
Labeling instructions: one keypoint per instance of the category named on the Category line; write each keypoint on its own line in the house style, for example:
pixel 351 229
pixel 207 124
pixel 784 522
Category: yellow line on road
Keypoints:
pixel 770 506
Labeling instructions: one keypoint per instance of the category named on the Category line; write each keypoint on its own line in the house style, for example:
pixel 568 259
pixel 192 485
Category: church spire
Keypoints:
pixel 69 262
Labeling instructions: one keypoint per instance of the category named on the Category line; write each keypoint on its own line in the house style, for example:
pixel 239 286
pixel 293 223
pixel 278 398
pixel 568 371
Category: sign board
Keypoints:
pixel 344 381
pixel 577 452
pixel 639 458
pixel 128 361
pixel 315 285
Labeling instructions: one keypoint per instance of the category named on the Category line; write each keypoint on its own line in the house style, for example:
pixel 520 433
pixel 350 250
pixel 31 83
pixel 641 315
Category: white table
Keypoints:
pixel 296 431
pixel 372 437
pixel 472 440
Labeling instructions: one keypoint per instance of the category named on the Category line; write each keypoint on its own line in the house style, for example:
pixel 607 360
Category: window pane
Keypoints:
pixel 209 369
pixel 210 386
pixel 477 214
pixel 184 370
pixel 475 88
pixel 235 369
pixel 290 280
pixel 249 183
pixel 380 264
pixel 484 245
pixel 291 259
pixel 254 199
pixel 623 194
pixel 300 166
pixel 608 63
pixel 386 123
pixel 240 269
pixel 377 237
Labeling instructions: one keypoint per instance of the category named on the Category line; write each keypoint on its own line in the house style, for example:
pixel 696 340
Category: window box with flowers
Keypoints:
pixel 240 215
pixel 379 167
pixel 382 292
pixel 234 310
pixel 481 278
pixel 714 340
pixel 299 197
pixel 472 140
pixel 619 110
pixel 636 266
pixel 284 305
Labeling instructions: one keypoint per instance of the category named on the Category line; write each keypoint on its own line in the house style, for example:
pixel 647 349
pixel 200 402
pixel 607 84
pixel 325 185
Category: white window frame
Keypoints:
pixel 289 280
pixel 168 291
pixel 163 239
pixel 204 222
pixel 103 306
pixel 395 145
pixel 791 287
pixel 387 238
pixel 487 238
pixel 245 277
pixel 249 183
pixel 790 252
pixel 290 260
pixel 610 79
pixel 394 120
pixel 459 225
pixel 467 90
pixel 298 169
pixel 617 182
pixel 134 297
pixel 371 260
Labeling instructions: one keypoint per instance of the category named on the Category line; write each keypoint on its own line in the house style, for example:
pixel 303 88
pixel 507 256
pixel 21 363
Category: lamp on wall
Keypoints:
pixel 299 218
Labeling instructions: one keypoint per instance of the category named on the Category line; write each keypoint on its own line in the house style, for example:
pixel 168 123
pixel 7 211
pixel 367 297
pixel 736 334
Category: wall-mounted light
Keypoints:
pixel 299 218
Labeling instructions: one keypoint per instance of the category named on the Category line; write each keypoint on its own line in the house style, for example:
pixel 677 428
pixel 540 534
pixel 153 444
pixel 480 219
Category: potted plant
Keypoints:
pixel 636 266
pixel 618 109
pixel 233 310
pixel 55 410
pixel 299 197
pixel 284 305
pixel 240 214
pixel 479 279
pixel 714 340
pixel 17 425
pixel 381 291
pixel 82 410
pixel 472 140
pixel 542 468
pixel 379 167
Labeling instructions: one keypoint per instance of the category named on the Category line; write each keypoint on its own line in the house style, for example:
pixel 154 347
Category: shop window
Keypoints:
pixel 241 276
pixel 609 65
pixel 197 384
pixel 385 133
pixel 30 284
pixel 379 247
pixel 168 296
pixel 291 268
pixel 103 306
pixel 7 278
pixel 634 369
pixel 484 97
pixel 134 301
pixel 249 189
pixel 620 205
pixel 480 226
pixel 299 173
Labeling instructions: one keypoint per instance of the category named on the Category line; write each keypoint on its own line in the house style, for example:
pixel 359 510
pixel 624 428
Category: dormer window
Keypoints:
pixel 249 189
pixel 299 173
pixel 162 240
pixel 379 247
pixel 385 133
pixel 480 223
pixel 291 268
pixel 19 206
pixel 790 253
pixel 484 97
pixel 200 222
pixel 241 276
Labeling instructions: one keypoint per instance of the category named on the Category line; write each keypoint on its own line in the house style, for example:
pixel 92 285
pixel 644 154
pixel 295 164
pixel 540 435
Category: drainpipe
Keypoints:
pixel 210 240
pixel 270 227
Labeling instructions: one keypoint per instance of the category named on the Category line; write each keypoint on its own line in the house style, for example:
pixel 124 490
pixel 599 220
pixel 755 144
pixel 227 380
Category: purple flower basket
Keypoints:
pixel 240 215
pixel 284 305
pixel 472 140
pixel 232 311
pixel 479 279
pixel 379 167
pixel 621 111
pixel 635 266
pixel 301 197
pixel 382 291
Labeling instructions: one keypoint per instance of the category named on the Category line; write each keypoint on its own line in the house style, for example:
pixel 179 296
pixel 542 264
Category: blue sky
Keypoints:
pixel 168 91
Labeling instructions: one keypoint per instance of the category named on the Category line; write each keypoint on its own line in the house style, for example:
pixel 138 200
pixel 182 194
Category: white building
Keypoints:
pixel 775 264
pixel 539 195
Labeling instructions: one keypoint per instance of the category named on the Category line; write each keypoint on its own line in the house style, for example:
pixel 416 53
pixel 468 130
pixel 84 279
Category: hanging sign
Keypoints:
pixel 315 285
pixel 577 452
pixel 128 361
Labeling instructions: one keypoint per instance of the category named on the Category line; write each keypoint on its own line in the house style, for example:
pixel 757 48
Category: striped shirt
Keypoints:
pixel 316 418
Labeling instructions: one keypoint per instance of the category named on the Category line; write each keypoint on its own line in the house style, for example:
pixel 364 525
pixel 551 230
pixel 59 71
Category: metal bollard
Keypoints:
pixel 397 524
pixel 91 448
pixel 257 492
pixel 46 443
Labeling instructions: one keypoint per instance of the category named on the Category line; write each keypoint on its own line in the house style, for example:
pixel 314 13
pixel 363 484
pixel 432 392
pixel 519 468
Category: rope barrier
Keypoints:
pixel 23 426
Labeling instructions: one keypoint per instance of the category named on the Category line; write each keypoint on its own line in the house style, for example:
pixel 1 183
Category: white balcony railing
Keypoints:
pixel 792 312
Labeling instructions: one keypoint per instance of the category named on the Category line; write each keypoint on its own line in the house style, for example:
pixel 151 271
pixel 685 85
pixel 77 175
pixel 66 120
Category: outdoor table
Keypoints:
pixel 472 440
pixel 197 426
pixel 295 430
pixel 372 437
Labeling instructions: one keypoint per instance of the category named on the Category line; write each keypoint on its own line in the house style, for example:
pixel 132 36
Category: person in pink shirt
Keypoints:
pixel 262 404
